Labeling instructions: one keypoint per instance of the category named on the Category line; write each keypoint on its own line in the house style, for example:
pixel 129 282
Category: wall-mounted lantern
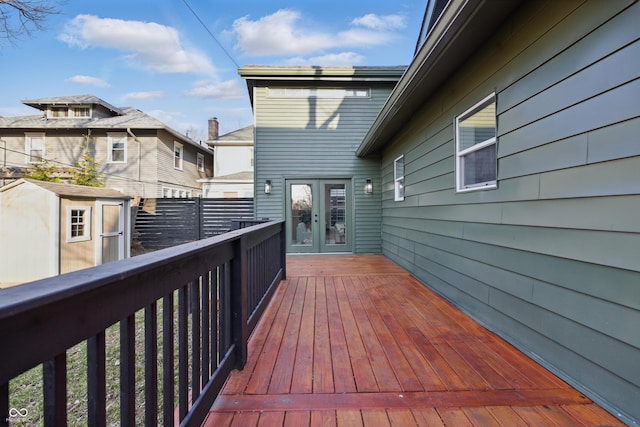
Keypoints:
pixel 267 187
pixel 368 187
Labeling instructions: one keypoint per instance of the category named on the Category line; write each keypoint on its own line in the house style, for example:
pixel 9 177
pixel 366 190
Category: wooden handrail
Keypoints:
pixel 219 285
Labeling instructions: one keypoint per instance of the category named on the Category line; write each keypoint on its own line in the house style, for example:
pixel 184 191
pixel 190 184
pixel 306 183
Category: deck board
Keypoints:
pixel 357 341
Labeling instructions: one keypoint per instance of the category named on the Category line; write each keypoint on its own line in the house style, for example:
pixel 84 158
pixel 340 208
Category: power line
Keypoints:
pixel 211 34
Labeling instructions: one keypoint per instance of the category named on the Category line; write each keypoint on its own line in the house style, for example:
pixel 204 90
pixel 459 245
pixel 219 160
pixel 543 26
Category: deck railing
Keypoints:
pixel 200 302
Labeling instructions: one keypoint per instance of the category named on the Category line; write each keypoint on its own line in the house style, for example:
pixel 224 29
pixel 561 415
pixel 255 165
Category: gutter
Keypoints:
pixel 463 26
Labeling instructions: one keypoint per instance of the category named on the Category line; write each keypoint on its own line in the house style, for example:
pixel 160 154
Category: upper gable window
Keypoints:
pixel 289 92
pixel 431 15
pixel 476 164
pixel 81 112
pixel 58 112
pixel 398 178
pixel 200 162
pixel 117 147
pixel 178 154
pixel 34 147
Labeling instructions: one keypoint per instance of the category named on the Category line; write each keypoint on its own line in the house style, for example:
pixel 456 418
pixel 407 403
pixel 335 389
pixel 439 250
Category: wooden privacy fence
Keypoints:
pixel 161 223
pixel 200 301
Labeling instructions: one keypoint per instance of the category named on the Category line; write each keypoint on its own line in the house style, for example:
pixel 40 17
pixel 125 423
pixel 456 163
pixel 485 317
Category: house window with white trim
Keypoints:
pixel 81 111
pixel 200 162
pixel 178 153
pixel 398 178
pixel 117 146
pixel 78 224
pixel 34 147
pixel 476 146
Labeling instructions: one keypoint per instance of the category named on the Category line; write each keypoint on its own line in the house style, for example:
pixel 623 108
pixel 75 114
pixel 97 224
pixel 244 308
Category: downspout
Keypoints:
pixel 139 157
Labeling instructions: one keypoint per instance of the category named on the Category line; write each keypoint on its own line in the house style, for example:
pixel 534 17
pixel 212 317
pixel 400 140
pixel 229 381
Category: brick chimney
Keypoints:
pixel 213 129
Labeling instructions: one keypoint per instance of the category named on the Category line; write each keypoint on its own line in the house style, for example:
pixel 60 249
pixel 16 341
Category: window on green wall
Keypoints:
pixel 476 164
pixel 398 178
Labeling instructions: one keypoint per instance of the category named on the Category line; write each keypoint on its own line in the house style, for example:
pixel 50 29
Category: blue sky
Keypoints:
pixel 156 56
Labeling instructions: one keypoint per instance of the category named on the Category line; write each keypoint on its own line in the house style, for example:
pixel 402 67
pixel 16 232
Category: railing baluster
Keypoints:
pixel 168 383
pixel 4 405
pixel 215 325
pixel 128 371
pixel 151 364
pixel 195 340
pixel 205 298
pixel 96 380
pixel 183 353
pixel 54 378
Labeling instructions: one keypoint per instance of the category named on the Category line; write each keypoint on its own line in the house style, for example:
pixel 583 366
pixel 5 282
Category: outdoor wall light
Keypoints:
pixel 267 187
pixel 368 187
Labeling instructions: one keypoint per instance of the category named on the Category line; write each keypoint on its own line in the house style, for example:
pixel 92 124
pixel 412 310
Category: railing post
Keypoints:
pixel 283 250
pixel 239 303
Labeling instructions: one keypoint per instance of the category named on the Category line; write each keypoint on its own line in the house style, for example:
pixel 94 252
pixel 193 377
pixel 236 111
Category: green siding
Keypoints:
pixel 550 259
pixel 297 138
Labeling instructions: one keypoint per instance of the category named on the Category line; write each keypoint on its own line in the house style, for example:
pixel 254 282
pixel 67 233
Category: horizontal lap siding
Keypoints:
pixel 317 138
pixel 551 258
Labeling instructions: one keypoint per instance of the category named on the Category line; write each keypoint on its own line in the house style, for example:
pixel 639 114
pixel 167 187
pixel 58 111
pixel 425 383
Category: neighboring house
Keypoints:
pixel 50 228
pixel 138 154
pixel 505 169
pixel 308 123
pixel 233 163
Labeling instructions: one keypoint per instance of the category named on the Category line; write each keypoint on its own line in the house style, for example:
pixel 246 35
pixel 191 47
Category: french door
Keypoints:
pixel 318 216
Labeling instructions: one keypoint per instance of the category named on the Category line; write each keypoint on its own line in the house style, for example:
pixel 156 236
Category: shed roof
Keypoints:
pixel 69 190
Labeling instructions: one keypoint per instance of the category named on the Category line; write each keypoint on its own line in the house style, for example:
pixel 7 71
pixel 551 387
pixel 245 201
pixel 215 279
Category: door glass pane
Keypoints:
pixel 301 215
pixel 110 219
pixel 335 197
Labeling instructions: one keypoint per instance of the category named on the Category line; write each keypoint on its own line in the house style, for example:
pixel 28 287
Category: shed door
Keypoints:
pixel 111 231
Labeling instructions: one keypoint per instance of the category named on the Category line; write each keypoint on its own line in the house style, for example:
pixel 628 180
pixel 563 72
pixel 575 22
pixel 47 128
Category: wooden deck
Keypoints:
pixel 355 340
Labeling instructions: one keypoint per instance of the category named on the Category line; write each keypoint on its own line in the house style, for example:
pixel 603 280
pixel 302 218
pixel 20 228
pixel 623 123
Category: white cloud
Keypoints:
pixel 88 80
pixel 230 89
pixel 283 33
pixel 144 95
pixel 149 45
pixel 380 22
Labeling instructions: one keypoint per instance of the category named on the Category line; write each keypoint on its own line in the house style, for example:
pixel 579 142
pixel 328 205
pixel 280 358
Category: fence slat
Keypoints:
pixel 161 223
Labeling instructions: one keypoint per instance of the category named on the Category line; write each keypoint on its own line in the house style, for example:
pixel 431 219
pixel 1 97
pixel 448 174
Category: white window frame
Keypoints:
pixel 200 162
pixel 398 179
pixel 86 235
pixel 462 153
pixel 178 159
pixel 29 138
pixel 116 137
pixel 81 108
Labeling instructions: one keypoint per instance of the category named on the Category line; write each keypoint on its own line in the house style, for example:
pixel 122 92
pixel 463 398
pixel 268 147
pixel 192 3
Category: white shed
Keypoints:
pixel 50 228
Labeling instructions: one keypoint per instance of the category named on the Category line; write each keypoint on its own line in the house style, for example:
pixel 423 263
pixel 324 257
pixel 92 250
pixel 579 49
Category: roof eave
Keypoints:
pixel 464 24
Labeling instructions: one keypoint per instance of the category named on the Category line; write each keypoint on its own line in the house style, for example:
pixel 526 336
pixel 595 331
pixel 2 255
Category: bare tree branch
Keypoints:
pixel 20 18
